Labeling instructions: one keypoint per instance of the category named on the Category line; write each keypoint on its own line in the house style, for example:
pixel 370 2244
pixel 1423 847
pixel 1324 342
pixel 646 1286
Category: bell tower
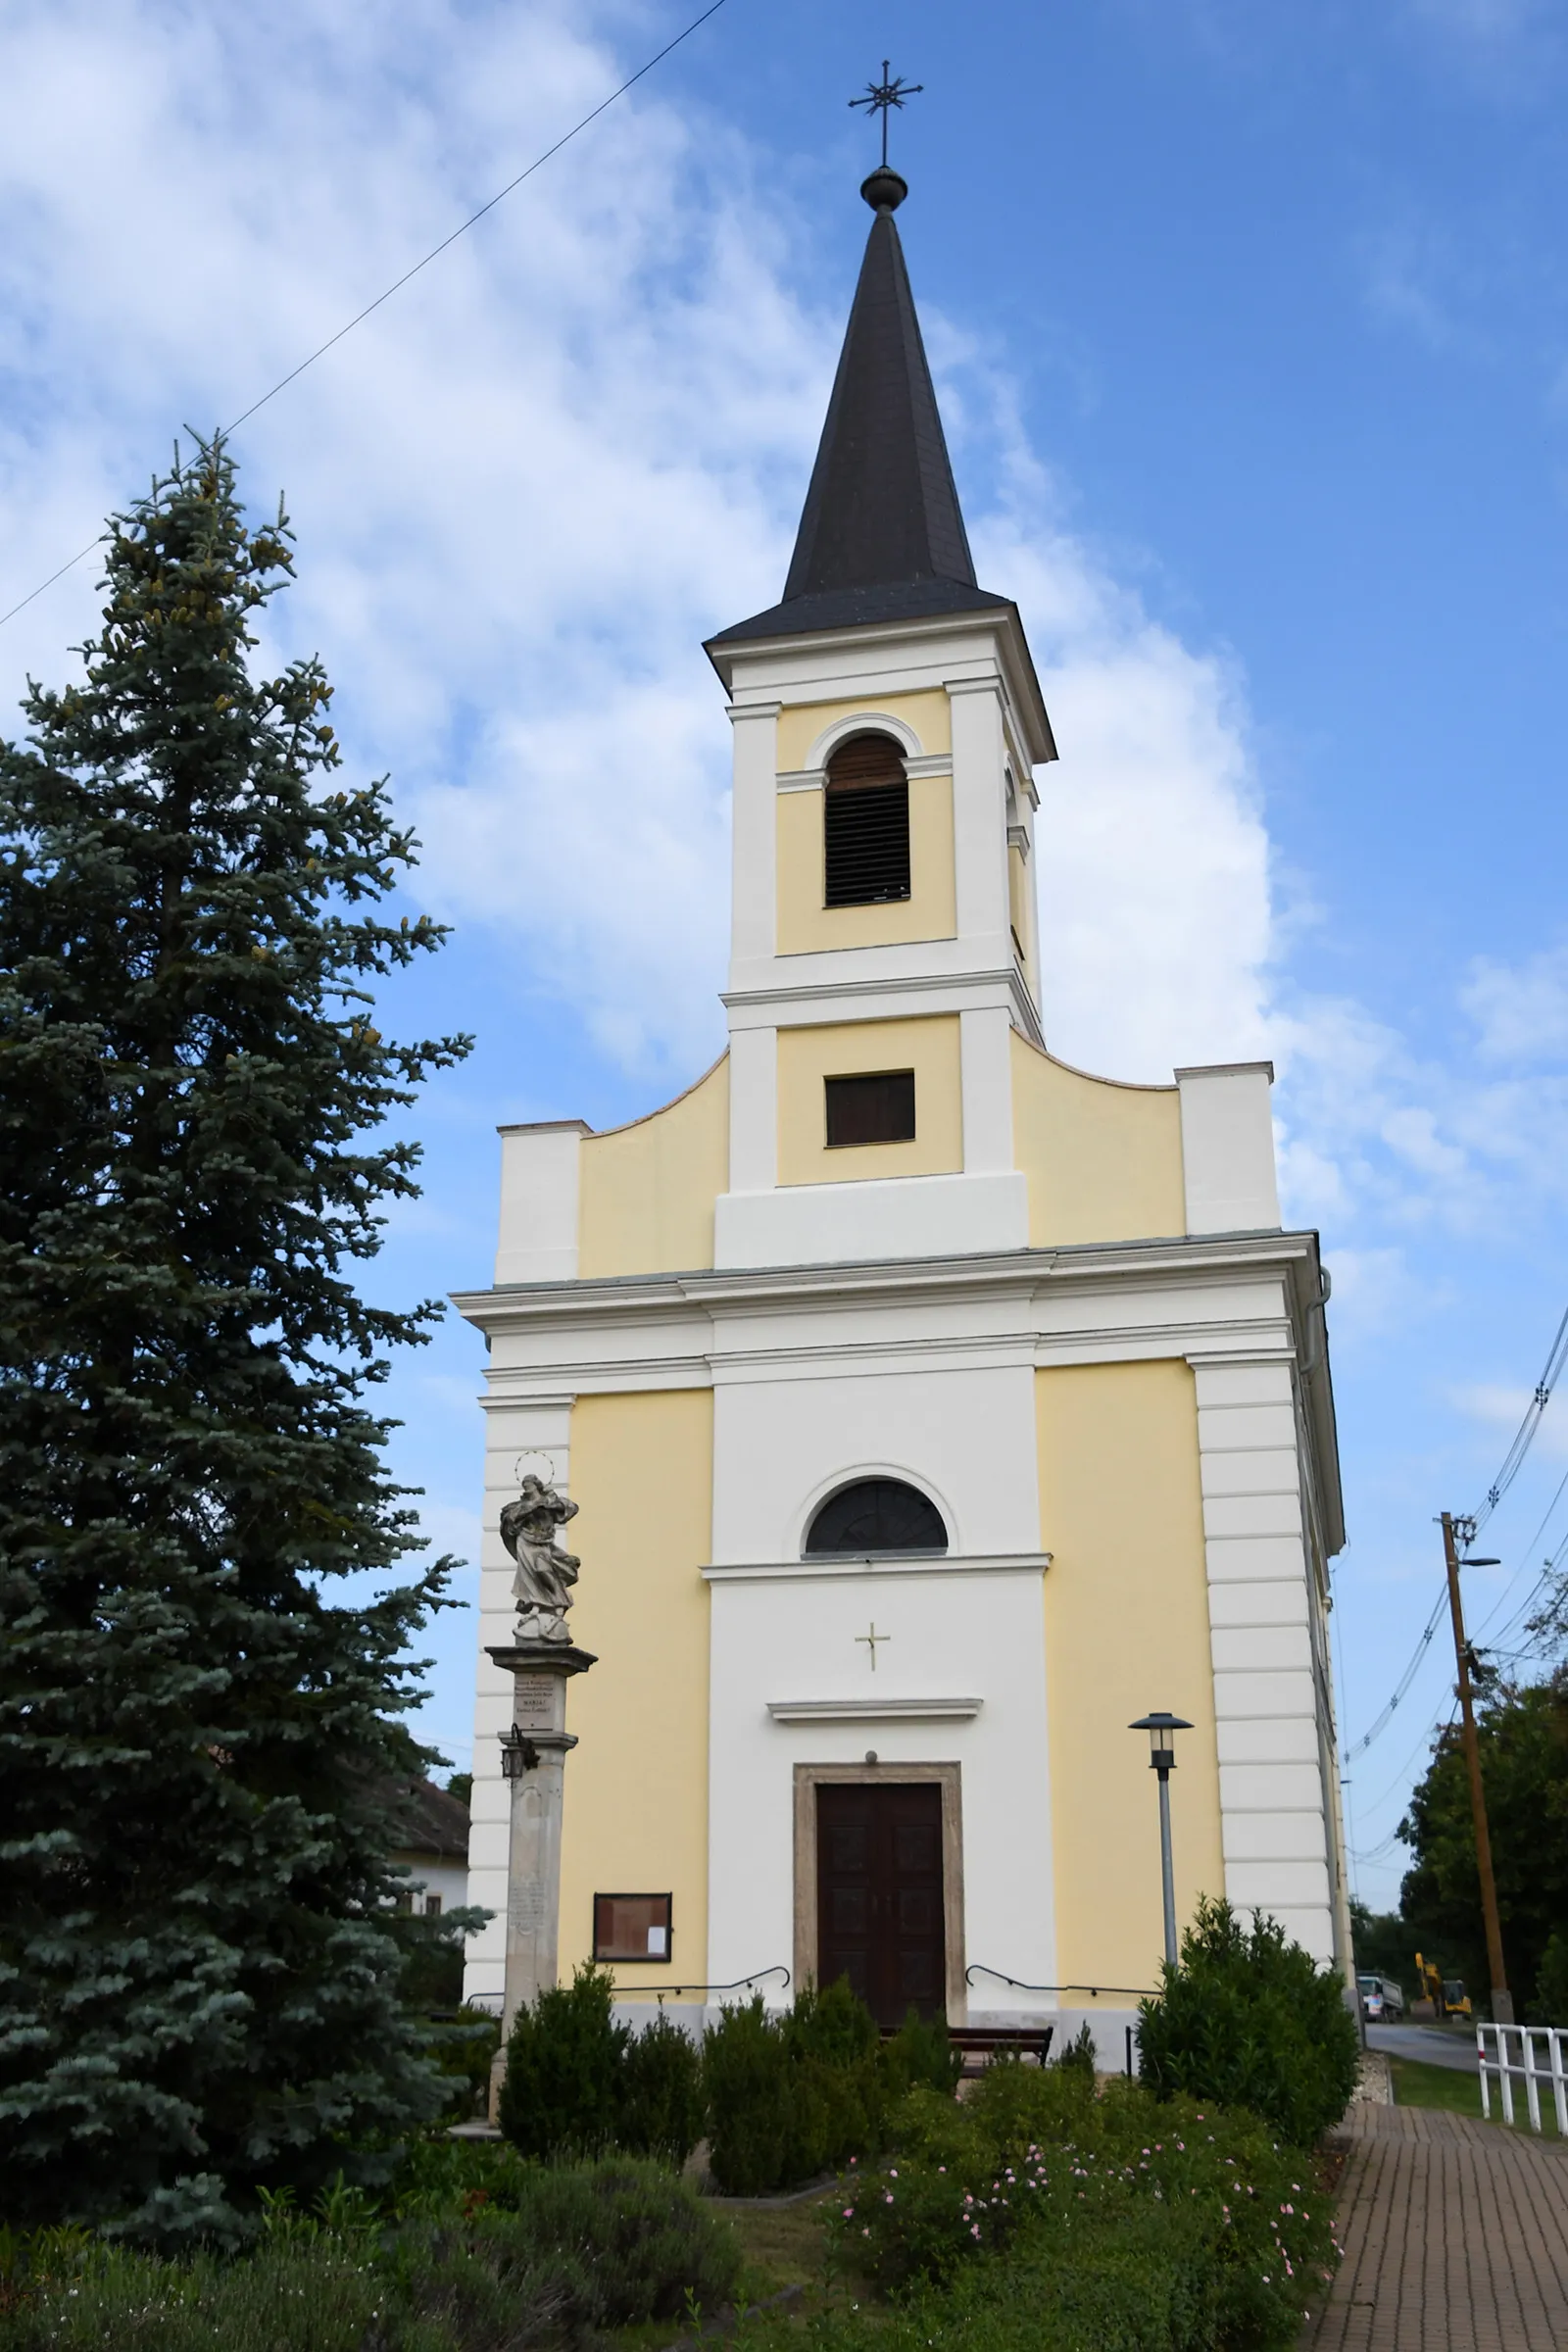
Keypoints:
pixel 887 722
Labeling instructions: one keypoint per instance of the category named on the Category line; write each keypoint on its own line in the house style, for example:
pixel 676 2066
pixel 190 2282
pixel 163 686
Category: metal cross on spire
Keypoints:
pixel 881 97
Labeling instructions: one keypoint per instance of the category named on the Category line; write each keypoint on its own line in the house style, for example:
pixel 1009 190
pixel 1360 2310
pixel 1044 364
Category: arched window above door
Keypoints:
pixel 876 1514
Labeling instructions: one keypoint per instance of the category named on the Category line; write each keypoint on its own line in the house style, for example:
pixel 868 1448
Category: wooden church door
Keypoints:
pixel 879 1893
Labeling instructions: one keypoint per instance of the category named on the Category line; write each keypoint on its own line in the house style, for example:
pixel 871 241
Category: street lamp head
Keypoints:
pixel 1160 1726
pixel 1481 1563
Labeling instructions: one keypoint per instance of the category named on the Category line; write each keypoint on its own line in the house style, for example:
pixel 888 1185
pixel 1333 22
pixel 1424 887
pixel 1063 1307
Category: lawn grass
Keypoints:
pixel 1445 2086
pixel 783 2246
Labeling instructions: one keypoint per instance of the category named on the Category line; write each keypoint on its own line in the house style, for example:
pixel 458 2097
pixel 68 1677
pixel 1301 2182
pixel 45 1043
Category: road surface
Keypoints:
pixel 1433 2045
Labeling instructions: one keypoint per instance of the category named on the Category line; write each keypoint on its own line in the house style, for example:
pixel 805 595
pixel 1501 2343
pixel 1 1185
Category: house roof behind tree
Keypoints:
pixel 432 1822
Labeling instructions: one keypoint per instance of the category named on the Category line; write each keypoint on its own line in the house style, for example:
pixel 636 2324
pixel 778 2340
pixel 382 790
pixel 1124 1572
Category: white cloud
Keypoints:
pixel 1520 1010
pixel 532 482
pixel 530 485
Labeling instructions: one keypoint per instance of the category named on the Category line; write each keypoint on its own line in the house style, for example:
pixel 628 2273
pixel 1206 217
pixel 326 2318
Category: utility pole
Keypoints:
pixel 1501 1997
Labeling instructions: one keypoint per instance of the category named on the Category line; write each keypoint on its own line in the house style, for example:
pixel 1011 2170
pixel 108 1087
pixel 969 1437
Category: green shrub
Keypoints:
pixel 1247 2019
pixel 838 2093
pixel 648 2241
pixel 792 2096
pixel 324 2298
pixel 562 2094
pixel 748 2086
pixel 568 2252
pixel 1080 2051
pixel 662 2093
pixel 1550 2005
pixel 464 2047
pixel 920 2054
pixel 1111 2219
pixel 834 2025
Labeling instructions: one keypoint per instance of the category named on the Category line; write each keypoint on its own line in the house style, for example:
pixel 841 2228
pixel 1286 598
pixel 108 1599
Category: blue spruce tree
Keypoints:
pixel 198 1734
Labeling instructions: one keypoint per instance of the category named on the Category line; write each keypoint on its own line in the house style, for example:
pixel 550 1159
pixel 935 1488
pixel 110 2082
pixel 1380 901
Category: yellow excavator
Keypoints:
pixel 1439 1995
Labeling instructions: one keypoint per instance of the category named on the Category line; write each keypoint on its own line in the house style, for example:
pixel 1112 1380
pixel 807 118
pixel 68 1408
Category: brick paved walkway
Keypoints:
pixel 1456 2238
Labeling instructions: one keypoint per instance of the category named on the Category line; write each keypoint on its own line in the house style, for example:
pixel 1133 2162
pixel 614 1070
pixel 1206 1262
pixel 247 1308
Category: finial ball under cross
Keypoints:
pixel 880 98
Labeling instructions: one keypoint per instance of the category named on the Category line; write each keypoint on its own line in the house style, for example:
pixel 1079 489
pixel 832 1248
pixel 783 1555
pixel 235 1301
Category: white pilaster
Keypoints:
pixel 1269 1710
pixel 755 836
pixel 986 1061
pixel 980 812
pixel 753 1110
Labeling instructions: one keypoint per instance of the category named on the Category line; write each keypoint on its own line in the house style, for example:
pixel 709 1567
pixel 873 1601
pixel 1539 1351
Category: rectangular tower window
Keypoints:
pixel 631 1927
pixel 865 825
pixel 874 1106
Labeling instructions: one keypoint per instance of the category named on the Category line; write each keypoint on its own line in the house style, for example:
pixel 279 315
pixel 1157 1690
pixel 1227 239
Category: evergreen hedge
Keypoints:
pixel 782 2098
pixel 1247 2019
pixel 578 2082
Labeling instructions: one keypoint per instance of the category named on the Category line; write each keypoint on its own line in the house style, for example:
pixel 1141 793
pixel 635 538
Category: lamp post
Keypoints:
pixel 1162 1759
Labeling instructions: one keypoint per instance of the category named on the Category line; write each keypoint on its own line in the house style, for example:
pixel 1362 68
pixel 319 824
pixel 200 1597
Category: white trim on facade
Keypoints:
pixel 874 1711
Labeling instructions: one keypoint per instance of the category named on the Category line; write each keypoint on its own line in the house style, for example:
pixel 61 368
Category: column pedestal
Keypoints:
pixel 533 1758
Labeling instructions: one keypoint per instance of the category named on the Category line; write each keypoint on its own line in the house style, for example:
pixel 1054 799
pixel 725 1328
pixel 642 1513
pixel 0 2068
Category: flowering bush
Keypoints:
pixel 1038 2164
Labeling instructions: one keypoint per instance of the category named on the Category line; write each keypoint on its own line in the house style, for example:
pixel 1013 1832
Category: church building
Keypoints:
pixel 933 1410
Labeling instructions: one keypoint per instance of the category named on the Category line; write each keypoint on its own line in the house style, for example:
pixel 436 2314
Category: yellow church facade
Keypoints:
pixel 932 1409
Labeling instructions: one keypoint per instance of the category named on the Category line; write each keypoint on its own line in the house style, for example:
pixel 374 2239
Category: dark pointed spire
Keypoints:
pixel 882 534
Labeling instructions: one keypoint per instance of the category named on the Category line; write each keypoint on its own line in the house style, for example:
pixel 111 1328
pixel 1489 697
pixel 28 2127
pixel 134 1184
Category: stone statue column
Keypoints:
pixel 541 1659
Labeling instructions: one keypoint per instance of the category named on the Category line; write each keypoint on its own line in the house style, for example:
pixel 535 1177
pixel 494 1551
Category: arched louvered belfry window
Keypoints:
pixel 865 825
pixel 876 1514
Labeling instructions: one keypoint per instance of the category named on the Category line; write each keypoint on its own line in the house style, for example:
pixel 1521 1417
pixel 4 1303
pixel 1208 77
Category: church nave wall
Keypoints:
pixel 636 1787
pixel 1127 1630
pixel 648 1189
pixel 1104 1161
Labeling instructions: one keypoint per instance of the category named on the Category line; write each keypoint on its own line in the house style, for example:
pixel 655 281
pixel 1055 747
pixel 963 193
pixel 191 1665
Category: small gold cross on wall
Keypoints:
pixel 871 1638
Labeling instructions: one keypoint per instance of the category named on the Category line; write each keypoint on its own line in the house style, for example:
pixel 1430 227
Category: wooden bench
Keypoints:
pixel 982 2043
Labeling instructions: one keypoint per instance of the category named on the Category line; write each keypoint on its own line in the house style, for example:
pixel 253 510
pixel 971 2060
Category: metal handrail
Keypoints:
pixel 1139 1992
pixel 666 1991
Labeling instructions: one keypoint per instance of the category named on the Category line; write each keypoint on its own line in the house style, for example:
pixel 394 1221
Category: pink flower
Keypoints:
pixel 848 2212
pixel 974 2228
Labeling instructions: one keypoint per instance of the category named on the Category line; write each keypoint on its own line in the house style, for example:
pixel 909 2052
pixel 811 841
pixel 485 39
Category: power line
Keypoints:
pixel 1550 1564
pixel 1439 1721
pixel 1548 1569
pixel 1405 1680
pixel 1524 1437
pixel 399 282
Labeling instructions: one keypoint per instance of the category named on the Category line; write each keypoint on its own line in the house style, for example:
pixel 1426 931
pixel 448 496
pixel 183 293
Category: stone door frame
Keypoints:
pixel 809 1778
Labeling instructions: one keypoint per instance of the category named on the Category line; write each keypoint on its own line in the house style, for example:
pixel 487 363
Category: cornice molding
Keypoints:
pixel 874 1711
pixel 913 1563
pixel 1174 1258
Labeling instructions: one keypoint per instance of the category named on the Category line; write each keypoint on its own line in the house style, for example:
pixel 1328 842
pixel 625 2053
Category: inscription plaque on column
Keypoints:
pixel 539 1704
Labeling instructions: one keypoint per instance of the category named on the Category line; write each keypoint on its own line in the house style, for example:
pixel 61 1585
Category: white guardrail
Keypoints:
pixel 1498 2061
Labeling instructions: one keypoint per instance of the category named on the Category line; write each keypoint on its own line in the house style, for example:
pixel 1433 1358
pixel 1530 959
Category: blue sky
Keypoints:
pixel 1251 331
